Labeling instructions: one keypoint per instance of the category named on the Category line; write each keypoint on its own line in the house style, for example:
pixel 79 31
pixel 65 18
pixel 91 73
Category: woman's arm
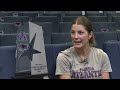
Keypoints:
pixel 63 66
pixel 65 76
pixel 106 67
pixel 105 75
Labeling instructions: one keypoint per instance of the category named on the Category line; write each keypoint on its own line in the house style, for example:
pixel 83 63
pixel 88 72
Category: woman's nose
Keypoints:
pixel 76 35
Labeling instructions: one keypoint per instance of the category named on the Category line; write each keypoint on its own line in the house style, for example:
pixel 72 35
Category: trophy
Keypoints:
pixel 30 51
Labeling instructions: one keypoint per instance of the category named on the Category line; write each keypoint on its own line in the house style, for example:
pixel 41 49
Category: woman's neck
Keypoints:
pixel 83 52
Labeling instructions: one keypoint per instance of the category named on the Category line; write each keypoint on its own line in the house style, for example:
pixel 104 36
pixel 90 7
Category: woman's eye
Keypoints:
pixel 80 32
pixel 72 32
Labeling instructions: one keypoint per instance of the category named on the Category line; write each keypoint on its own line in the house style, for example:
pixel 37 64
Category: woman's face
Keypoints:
pixel 80 36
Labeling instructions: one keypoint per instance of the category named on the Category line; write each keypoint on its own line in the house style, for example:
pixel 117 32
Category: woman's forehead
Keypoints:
pixel 77 27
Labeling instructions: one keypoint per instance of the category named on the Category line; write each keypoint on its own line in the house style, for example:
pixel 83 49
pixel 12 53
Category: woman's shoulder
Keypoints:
pixel 65 55
pixel 98 51
pixel 66 52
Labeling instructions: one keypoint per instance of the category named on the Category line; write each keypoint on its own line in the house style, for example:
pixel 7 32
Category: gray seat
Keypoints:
pixel 104 26
pixel 7 62
pixel 7 39
pixel 102 37
pixel 10 19
pixel 2 14
pixel 112 13
pixel 94 13
pixel 73 13
pixel 112 48
pixel 8 28
pixel 58 38
pixel 98 18
pixel 46 26
pixel 116 19
pixel 52 13
pixel 44 19
pixel 53 19
pixel 30 14
pixel 65 27
pixel 68 18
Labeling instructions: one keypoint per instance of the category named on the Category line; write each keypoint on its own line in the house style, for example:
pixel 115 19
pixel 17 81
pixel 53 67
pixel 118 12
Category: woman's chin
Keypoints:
pixel 77 46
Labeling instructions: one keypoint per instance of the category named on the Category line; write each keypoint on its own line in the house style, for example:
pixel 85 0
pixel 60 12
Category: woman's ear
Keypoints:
pixel 90 34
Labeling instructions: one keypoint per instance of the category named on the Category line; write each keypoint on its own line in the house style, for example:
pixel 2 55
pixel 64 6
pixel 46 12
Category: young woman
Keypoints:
pixel 83 60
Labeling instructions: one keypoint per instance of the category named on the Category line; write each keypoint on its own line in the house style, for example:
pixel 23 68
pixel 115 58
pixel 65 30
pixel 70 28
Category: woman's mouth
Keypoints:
pixel 77 42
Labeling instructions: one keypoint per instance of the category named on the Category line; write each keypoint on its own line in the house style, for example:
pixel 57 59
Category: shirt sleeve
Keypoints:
pixel 63 64
pixel 106 66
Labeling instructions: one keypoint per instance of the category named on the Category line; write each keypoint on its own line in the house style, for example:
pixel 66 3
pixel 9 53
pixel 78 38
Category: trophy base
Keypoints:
pixel 27 75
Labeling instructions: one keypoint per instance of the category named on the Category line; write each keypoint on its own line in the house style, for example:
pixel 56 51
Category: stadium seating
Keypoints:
pixel 102 37
pixel 8 28
pixel 7 39
pixel 58 38
pixel 30 13
pixel 53 19
pixel 2 14
pixel 7 62
pixel 11 19
pixel 65 27
pixel 73 13
pixel 112 48
pixel 94 13
pixel 105 26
